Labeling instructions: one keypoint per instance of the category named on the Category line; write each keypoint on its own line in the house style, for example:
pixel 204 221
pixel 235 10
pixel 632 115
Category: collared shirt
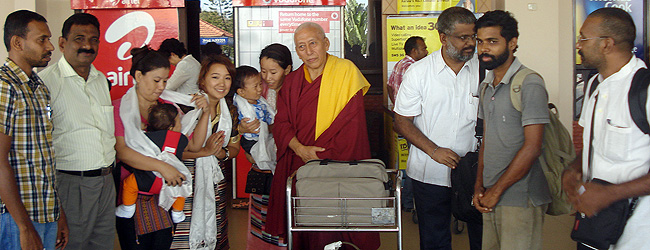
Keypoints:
pixel 400 68
pixel 620 149
pixel 24 115
pixel 504 135
pixel 185 78
pixel 444 106
pixel 83 118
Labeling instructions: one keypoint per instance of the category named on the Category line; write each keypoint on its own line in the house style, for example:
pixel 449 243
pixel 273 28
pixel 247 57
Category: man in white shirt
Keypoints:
pixel 436 111
pixel 619 150
pixel 83 135
pixel 186 74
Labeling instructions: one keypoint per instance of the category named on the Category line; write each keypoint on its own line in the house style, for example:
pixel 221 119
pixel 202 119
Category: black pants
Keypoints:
pixel 158 240
pixel 475 233
pixel 433 206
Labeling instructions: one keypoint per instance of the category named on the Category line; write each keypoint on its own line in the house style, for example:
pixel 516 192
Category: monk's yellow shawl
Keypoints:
pixel 341 80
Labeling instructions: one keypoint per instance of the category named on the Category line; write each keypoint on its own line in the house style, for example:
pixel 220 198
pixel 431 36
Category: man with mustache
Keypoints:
pixel 619 151
pixel 30 215
pixel 83 135
pixel 511 190
pixel 435 110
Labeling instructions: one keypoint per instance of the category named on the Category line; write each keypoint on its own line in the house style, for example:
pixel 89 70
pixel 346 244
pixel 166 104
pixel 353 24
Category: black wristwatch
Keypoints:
pixel 227 154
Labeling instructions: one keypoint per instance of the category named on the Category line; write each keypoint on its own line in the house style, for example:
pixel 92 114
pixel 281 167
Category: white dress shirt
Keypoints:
pixel 621 150
pixel 82 114
pixel 444 106
pixel 185 78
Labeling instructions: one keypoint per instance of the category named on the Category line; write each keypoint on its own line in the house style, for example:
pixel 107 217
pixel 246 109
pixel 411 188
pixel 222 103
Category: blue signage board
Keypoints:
pixel 217 40
pixel 633 7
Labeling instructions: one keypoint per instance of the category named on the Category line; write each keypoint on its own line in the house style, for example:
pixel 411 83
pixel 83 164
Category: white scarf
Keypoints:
pixel 136 139
pixel 203 229
pixel 264 151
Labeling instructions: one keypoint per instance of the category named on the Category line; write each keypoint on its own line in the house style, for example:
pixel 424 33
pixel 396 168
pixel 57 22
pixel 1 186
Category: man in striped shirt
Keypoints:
pixel 83 135
pixel 31 218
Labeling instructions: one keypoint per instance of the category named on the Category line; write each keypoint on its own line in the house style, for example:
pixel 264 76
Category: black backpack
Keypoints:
pixel 463 178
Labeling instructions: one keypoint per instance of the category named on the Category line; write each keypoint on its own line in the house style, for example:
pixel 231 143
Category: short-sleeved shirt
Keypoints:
pixel 504 135
pixel 620 148
pixel 25 116
pixel 621 151
pixel 395 79
pixel 443 106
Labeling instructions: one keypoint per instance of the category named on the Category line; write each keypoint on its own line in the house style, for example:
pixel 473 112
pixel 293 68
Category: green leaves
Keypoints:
pixel 356 24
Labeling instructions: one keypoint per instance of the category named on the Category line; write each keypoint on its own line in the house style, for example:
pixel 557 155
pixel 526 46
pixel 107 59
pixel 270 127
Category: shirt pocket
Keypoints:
pixel 472 108
pixel 615 141
pixel 105 117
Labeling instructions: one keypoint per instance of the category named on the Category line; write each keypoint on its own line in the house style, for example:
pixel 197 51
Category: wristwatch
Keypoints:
pixel 227 154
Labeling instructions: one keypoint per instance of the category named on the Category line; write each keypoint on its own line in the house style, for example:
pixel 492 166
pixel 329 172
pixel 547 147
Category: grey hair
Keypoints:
pixel 310 25
pixel 452 16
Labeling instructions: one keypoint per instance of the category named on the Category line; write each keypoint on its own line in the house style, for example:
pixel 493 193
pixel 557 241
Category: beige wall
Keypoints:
pixel 546 46
pixel 55 11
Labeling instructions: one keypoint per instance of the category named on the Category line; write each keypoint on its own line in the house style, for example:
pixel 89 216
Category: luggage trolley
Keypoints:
pixel 336 196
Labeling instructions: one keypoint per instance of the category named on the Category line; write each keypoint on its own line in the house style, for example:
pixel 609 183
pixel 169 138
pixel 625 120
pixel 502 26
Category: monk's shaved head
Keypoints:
pixel 312 46
pixel 308 26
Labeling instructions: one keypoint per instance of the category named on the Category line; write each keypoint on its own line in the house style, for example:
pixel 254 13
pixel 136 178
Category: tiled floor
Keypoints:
pixel 556 233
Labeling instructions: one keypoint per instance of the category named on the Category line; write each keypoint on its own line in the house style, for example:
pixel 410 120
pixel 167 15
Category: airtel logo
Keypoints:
pixel 125 24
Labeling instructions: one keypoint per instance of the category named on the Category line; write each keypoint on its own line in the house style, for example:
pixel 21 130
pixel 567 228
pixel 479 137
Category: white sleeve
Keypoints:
pixel 179 77
pixel 409 96
pixel 647 106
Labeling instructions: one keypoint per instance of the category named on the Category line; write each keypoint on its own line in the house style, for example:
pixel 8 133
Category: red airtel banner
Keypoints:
pixel 124 29
pixel 242 3
pixel 125 4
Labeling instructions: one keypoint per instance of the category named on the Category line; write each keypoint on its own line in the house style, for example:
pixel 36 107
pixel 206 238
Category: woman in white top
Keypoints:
pixel 186 75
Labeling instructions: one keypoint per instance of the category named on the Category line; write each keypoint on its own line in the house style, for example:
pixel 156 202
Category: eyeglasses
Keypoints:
pixel 580 39
pixel 465 38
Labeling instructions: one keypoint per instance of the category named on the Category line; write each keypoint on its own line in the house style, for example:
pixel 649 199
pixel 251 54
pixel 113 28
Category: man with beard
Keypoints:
pixel 619 150
pixel 83 135
pixel 435 110
pixel 511 190
pixel 30 216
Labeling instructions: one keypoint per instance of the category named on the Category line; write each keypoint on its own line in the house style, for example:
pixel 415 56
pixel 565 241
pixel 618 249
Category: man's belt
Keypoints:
pixel 91 173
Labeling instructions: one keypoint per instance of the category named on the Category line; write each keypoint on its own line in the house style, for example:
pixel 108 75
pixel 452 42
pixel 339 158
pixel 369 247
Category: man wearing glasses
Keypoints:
pixel 435 110
pixel 619 149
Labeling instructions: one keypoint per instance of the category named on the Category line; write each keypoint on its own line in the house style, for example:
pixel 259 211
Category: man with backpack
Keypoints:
pixel 511 190
pixel 615 137
pixel 435 110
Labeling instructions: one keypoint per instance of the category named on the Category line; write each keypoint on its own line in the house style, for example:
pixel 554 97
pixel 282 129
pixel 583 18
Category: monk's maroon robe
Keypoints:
pixel 345 139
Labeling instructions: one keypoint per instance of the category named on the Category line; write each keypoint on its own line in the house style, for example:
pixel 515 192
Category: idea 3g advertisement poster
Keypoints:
pixel 432 6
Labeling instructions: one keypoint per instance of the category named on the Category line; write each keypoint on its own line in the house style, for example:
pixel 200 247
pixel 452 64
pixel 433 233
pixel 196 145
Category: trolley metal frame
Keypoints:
pixel 393 201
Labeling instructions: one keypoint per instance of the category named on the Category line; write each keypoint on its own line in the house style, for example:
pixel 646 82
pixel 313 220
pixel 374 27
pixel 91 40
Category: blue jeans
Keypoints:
pixel 10 235
pixel 407 192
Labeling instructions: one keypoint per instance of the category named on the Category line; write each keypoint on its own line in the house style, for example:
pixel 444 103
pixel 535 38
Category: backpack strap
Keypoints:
pixel 637 98
pixel 593 86
pixel 515 85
